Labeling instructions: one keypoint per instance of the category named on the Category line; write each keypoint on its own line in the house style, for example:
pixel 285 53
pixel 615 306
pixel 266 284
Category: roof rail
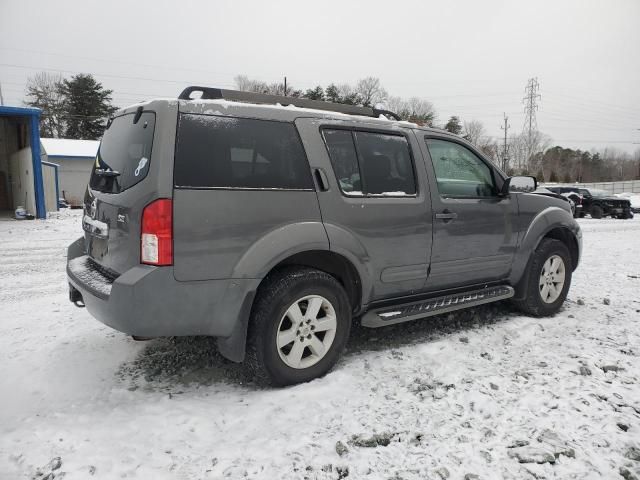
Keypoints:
pixel 208 93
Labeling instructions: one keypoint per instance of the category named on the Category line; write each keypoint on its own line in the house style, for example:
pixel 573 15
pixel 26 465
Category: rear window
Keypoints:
pixel 125 153
pixel 226 152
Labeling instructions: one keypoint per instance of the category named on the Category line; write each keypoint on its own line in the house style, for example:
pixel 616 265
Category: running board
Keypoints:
pixel 381 317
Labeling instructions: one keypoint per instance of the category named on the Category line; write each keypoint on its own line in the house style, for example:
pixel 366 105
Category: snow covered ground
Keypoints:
pixel 485 392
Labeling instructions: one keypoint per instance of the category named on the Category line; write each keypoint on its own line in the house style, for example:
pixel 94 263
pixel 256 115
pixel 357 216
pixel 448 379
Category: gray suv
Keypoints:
pixel 272 223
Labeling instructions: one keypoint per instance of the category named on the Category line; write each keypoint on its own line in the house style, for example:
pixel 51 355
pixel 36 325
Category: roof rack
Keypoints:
pixel 208 93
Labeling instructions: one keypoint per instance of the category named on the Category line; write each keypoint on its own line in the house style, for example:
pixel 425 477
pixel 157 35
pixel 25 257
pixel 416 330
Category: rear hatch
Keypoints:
pixel 130 171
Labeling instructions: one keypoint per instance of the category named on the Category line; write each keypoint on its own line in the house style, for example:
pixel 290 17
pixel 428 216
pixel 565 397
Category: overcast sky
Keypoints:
pixel 470 58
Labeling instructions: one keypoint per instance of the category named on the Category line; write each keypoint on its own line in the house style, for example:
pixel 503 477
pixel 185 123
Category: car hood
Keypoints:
pixel 549 193
pixel 612 199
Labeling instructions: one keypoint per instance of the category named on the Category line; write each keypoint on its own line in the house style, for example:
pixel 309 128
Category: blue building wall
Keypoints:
pixel 32 115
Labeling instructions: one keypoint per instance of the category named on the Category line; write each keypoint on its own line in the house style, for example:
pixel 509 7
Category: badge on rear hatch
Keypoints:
pixel 141 165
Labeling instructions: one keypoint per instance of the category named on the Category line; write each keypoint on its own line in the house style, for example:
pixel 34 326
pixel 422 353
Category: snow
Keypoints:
pixel 63 147
pixel 209 109
pixel 94 279
pixel 634 198
pixel 477 392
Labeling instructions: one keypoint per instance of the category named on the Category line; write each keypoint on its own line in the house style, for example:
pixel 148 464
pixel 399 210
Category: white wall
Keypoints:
pixel 631 186
pixel 21 167
pixel 49 184
pixel 4 161
pixel 73 177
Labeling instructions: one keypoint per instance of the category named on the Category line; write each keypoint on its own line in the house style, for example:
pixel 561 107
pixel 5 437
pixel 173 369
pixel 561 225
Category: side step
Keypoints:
pixel 381 317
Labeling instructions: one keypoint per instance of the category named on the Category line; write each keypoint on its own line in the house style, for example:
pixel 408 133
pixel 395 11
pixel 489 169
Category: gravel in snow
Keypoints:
pixel 480 394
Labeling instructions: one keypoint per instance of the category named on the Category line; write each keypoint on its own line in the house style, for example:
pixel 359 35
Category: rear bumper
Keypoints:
pixel 148 301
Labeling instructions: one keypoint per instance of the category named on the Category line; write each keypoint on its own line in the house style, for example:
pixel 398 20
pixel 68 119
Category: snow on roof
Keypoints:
pixel 64 147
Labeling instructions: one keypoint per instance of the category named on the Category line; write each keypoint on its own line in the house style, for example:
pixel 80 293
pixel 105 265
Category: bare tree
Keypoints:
pixel 247 84
pixel 44 92
pixel 474 132
pixel 414 109
pixel 370 91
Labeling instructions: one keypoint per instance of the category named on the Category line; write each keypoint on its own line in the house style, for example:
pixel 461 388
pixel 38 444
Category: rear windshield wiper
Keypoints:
pixel 107 173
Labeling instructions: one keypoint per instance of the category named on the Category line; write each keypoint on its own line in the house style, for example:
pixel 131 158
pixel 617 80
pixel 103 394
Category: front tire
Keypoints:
pixel 549 279
pixel 299 326
pixel 596 212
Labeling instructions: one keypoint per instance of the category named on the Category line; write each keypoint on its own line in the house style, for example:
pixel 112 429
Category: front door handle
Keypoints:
pixel 446 216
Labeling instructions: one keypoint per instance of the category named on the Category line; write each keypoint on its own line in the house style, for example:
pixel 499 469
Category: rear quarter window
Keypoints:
pixel 227 152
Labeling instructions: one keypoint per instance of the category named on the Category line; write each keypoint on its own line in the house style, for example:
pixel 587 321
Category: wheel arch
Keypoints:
pixel 554 223
pixel 336 265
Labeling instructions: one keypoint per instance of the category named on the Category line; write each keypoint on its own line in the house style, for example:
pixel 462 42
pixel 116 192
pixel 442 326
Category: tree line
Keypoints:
pixel 78 107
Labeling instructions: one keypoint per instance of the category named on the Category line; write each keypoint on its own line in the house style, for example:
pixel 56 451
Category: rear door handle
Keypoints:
pixel 446 215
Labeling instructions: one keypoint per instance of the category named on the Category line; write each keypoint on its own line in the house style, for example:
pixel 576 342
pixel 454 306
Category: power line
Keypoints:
pixel 59 70
pixel 122 62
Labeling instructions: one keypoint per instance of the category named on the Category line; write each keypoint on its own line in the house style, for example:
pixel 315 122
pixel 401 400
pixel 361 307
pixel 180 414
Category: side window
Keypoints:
pixel 459 172
pixel 371 164
pixel 344 160
pixel 225 152
pixel 386 164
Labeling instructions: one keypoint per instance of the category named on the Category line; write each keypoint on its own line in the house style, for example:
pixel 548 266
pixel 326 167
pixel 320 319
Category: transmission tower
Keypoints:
pixel 530 108
pixel 505 147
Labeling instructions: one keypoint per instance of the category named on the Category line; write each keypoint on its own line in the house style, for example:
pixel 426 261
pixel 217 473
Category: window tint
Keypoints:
pixel 344 160
pixel 216 151
pixel 386 164
pixel 381 164
pixel 460 172
pixel 125 148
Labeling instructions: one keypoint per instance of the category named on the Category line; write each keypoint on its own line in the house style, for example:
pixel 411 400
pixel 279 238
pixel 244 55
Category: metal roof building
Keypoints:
pixel 74 159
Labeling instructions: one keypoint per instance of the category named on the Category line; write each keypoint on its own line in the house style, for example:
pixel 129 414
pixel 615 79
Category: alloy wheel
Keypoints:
pixel 552 279
pixel 306 331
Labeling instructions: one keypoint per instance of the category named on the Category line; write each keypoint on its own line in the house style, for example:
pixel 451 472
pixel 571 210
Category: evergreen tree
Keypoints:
pixel 87 105
pixel 553 177
pixel 453 125
pixel 315 93
pixel 332 94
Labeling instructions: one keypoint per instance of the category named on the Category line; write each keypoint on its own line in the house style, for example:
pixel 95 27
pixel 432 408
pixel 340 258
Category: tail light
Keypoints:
pixel 156 239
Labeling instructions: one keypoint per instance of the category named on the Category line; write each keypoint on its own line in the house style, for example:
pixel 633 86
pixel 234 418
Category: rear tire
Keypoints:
pixel 299 326
pixel 596 212
pixel 549 279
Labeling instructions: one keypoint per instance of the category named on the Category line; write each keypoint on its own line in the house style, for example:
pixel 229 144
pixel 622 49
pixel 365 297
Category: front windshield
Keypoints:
pixel 599 193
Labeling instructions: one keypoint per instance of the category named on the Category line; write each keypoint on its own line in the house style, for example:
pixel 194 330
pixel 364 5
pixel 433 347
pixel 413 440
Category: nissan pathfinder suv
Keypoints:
pixel 272 223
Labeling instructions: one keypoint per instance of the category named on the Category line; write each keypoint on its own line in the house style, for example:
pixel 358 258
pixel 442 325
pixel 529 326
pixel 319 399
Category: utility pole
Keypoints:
pixel 1 97
pixel 285 86
pixel 505 157
pixel 530 107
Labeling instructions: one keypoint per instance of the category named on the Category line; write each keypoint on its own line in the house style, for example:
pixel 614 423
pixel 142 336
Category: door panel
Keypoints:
pixel 393 230
pixel 474 234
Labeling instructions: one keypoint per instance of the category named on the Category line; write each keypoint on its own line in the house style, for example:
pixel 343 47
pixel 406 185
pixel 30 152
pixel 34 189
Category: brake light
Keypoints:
pixel 156 239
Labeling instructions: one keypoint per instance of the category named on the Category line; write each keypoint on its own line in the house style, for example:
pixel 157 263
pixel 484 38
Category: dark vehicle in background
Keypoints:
pixel 272 223
pixel 595 203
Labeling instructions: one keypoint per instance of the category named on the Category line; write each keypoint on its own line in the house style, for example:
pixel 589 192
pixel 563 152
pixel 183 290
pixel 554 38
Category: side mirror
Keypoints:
pixel 519 185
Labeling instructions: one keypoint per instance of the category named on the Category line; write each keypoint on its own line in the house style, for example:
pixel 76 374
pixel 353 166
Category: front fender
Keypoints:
pixel 542 223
